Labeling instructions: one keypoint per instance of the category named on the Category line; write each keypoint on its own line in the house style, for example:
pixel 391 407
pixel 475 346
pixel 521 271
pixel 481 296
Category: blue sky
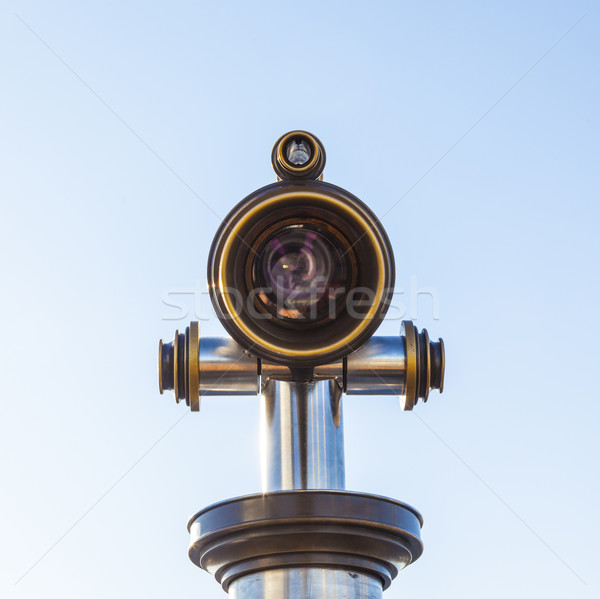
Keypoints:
pixel 127 126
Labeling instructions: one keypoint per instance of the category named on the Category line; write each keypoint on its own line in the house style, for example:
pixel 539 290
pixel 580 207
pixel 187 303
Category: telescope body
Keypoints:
pixel 300 274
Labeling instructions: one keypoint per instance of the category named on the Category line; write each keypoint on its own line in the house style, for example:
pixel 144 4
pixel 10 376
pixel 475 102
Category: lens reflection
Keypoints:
pixel 298 153
pixel 302 274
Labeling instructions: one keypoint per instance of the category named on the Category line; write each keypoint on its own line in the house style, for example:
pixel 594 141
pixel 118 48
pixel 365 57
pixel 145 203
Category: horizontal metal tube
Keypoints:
pixel 377 368
pixel 225 369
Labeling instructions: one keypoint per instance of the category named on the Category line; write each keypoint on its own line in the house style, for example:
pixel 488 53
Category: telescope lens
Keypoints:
pixel 301 274
pixel 298 153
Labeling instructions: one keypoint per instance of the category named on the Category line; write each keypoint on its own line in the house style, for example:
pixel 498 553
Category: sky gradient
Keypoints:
pixel 130 129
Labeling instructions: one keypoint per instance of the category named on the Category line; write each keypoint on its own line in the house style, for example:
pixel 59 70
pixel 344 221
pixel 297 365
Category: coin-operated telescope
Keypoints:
pixel 300 274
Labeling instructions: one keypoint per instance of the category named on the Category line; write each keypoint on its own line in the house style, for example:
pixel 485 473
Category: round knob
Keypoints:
pixel 425 364
pixel 178 368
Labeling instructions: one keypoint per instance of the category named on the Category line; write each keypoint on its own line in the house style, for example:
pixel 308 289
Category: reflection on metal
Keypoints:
pixel 377 368
pixel 302 346
pixel 425 365
pixel 408 365
pixel 302 437
pixel 308 583
pixel 353 298
pixel 225 369
pixel 299 529
pixel 177 366
pixel 287 169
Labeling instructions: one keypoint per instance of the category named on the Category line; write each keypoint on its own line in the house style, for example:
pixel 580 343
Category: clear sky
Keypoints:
pixel 470 128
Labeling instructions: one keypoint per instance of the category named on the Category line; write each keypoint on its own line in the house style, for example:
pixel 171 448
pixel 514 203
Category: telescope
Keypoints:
pixel 301 274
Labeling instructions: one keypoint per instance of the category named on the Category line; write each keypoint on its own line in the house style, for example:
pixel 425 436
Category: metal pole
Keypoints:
pixel 306 583
pixel 302 442
pixel 304 536
pixel 302 436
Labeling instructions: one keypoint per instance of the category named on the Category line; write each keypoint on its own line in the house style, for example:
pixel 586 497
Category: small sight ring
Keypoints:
pixel 298 155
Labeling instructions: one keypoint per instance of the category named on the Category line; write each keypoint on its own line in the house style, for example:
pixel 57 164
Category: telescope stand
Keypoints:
pixel 304 536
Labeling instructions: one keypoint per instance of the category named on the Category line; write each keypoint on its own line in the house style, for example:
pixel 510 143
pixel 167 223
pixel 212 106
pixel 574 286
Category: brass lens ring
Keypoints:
pixel 425 362
pixel 368 254
pixel 311 169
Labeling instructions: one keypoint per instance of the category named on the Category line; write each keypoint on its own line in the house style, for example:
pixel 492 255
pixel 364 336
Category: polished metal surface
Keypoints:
pixel 174 369
pixel 279 372
pixel 407 365
pixel 225 369
pixel 305 529
pixel 302 436
pixel 255 311
pixel 306 583
pixel 381 366
pixel 377 368
pixel 425 365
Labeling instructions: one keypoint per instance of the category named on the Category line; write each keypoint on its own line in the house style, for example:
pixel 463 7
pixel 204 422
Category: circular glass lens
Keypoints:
pixel 301 274
pixel 298 153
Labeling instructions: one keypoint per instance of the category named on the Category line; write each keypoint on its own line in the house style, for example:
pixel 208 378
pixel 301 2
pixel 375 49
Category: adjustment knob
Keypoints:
pixel 425 364
pixel 178 367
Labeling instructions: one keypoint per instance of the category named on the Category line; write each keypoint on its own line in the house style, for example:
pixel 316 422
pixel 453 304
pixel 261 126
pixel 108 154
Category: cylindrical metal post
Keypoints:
pixel 302 436
pixel 306 583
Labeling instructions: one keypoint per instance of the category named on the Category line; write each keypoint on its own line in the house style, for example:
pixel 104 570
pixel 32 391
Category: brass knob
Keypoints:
pixel 178 367
pixel 298 155
pixel 425 364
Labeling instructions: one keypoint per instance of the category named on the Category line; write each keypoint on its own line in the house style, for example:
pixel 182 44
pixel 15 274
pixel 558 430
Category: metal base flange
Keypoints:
pixel 294 529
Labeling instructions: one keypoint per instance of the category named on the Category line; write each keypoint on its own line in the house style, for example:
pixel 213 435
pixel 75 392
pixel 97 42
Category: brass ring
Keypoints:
pixel 443 365
pixel 193 377
pixel 410 387
pixel 175 366
pixel 160 373
pixel 427 350
pixel 285 170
